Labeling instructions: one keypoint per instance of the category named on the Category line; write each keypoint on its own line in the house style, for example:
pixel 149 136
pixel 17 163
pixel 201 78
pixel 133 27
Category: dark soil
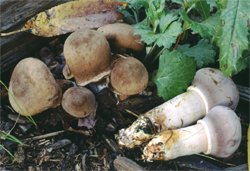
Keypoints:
pixel 57 143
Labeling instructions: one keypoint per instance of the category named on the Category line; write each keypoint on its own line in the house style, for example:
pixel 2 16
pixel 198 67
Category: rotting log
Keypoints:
pixel 13 15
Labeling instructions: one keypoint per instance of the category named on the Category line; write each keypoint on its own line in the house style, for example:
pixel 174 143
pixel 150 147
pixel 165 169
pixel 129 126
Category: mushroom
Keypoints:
pixel 79 102
pixel 209 88
pixel 122 36
pixel 87 55
pixel 32 88
pixel 218 134
pixel 128 76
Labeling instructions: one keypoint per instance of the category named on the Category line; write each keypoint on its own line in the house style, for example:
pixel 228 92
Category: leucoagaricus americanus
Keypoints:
pixel 122 36
pixel 32 88
pixel 87 55
pixel 79 102
pixel 209 88
pixel 128 76
pixel 218 134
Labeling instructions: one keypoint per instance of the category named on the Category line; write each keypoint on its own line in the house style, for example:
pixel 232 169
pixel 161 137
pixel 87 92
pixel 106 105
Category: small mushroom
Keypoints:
pixel 210 88
pixel 122 35
pixel 87 55
pixel 79 102
pixel 32 88
pixel 129 76
pixel 218 134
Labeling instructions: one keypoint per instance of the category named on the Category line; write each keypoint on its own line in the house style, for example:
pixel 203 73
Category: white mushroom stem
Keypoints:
pixel 180 111
pixel 209 88
pixel 218 134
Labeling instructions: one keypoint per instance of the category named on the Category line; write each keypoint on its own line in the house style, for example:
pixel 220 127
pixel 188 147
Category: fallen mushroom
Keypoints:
pixel 32 88
pixel 122 35
pixel 128 76
pixel 218 134
pixel 209 88
pixel 87 55
pixel 80 103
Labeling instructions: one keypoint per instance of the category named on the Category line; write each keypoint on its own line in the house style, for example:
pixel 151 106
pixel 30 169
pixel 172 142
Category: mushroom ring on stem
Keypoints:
pixel 209 88
pixel 32 88
pixel 87 55
pixel 218 134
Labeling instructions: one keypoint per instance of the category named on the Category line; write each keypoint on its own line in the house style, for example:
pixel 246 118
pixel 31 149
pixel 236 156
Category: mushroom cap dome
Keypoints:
pixel 123 36
pixel 129 76
pixel 87 54
pixel 216 88
pixel 79 102
pixel 223 131
pixel 32 87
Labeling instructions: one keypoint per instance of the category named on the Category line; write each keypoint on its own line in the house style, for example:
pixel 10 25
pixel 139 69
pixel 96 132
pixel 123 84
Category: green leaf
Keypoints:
pixel 166 20
pixel 169 37
pixel 145 32
pixel 203 8
pixel 221 4
pixel 207 28
pixel 203 52
pixel 212 4
pixel 136 4
pixel 154 12
pixel 233 40
pixel 175 73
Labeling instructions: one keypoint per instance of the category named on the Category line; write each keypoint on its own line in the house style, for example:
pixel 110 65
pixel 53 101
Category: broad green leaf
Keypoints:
pixel 203 52
pixel 166 20
pixel 175 73
pixel 169 37
pixel 203 8
pixel 145 32
pixel 207 28
pixel 233 40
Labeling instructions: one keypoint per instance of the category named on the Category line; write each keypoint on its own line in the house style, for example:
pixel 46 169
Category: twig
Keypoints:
pixel 132 113
pixel 211 158
pixel 123 163
pixel 112 145
pixel 44 136
pixel 177 41
pixel 14 32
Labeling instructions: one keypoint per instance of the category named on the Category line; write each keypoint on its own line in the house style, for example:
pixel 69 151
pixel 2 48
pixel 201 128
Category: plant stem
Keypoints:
pixel 177 42
pixel 12 156
pixel 135 13
pixel 158 54
pixel 150 52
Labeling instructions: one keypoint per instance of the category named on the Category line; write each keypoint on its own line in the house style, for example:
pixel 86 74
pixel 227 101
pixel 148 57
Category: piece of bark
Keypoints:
pixel 123 163
pixel 16 12
pixel 13 15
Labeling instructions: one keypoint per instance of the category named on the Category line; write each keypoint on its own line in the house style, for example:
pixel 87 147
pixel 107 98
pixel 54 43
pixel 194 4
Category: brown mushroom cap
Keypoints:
pixel 216 88
pixel 87 54
pixel 79 102
pixel 33 87
pixel 129 76
pixel 123 36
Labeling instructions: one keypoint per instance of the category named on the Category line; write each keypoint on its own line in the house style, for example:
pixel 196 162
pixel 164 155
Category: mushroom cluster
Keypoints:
pixel 88 58
pixel 212 95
